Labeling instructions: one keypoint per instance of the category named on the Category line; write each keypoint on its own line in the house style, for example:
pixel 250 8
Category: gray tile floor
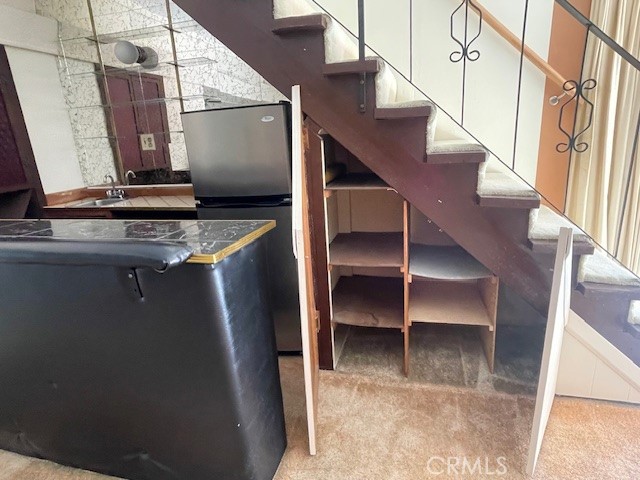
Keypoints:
pixel 447 355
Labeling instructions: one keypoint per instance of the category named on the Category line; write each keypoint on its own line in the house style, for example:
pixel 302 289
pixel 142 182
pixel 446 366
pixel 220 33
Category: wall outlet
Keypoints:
pixel 148 142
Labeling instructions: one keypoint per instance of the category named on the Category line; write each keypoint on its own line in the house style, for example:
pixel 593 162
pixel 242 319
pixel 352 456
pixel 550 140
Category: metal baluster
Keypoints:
pixel 515 133
pixel 571 138
pixel 411 41
pixel 632 163
pixel 579 90
pixel 361 56
pixel 465 52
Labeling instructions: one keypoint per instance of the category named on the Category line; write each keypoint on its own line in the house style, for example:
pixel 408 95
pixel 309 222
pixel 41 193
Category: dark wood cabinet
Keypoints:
pixel 140 119
pixel 21 192
pixel 12 176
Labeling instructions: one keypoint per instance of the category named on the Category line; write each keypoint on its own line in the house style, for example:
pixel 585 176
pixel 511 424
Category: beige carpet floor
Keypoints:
pixel 373 428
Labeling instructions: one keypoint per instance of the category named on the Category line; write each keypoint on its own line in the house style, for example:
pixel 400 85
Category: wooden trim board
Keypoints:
pixel 204 258
pixel 405 281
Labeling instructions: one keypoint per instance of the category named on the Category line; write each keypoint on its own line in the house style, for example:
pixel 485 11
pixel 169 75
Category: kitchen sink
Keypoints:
pixel 103 202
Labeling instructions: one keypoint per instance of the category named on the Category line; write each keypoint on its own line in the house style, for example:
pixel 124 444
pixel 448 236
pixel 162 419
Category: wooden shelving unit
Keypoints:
pixel 448 286
pixel 365 238
pixel 390 267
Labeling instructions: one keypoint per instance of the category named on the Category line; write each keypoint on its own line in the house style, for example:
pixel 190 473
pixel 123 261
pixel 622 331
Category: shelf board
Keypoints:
pixel 358 181
pixel 447 302
pixel 369 302
pixel 151 101
pixel 360 249
pixel 159 29
pixel 451 263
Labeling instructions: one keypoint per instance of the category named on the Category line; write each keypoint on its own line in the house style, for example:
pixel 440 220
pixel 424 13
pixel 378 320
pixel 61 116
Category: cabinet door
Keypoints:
pixel 559 306
pixel 302 250
pixel 12 176
pixel 141 121
pixel 122 97
pixel 152 121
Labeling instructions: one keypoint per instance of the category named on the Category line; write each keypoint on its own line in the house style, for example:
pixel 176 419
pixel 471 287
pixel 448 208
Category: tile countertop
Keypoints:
pixel 146 202
pixel 211 240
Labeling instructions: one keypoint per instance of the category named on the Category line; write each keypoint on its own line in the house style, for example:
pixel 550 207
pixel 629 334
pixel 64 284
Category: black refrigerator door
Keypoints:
pixel 282 267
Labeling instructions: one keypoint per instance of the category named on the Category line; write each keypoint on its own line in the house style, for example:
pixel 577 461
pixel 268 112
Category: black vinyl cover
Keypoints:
pixel 120 253
pixel 142 375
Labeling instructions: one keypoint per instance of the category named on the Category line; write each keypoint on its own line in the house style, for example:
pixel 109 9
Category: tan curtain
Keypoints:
pixel 598 177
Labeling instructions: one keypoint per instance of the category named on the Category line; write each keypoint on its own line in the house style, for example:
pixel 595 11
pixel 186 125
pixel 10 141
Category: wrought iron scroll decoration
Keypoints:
pixel 465 44
pixel 577 92
pixel 465 53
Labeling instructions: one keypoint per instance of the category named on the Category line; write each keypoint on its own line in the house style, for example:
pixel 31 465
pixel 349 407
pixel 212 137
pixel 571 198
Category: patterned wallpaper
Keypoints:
pixel 209 73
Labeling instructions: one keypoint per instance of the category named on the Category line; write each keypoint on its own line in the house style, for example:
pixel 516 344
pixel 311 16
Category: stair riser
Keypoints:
pixel 550 246
pixel 460 157
pixel 501 202
pixel 299 25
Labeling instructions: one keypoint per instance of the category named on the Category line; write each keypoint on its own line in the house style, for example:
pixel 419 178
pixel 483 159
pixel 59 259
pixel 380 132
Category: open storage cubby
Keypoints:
pixel 447 285
pixel 365 224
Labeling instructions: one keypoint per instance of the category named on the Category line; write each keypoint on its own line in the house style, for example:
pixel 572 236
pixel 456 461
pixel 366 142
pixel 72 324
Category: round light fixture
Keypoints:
pixel 129 53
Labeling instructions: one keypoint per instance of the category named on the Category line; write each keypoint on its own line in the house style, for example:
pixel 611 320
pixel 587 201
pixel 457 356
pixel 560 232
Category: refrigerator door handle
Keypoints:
pixel 244 204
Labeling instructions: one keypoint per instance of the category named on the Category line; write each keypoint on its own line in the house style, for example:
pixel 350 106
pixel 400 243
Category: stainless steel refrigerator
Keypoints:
pixel 240 161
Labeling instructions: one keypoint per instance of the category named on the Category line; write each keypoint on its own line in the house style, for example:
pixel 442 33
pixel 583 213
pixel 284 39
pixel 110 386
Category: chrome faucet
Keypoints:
pixel 113 192
pixel 129 176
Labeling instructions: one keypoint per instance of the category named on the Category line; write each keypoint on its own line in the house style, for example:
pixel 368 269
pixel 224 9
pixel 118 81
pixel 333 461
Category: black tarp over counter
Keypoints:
pixel 138 355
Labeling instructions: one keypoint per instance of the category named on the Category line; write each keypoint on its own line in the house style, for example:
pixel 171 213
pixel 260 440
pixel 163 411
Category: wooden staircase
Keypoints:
pixel 390 139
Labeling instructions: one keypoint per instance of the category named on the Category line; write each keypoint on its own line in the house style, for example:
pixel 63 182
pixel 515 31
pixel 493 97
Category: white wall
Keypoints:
pixel 492 81
pixel 591 367
pixel 46 116
pixel 32 47
pixel 26 5
pixel 20 28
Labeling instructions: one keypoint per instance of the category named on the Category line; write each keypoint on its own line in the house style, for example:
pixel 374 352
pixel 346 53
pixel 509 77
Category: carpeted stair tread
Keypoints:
pixel 452 146
pixel 545 224
pixel 599 268
pixel 399 111
pixel 500 184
